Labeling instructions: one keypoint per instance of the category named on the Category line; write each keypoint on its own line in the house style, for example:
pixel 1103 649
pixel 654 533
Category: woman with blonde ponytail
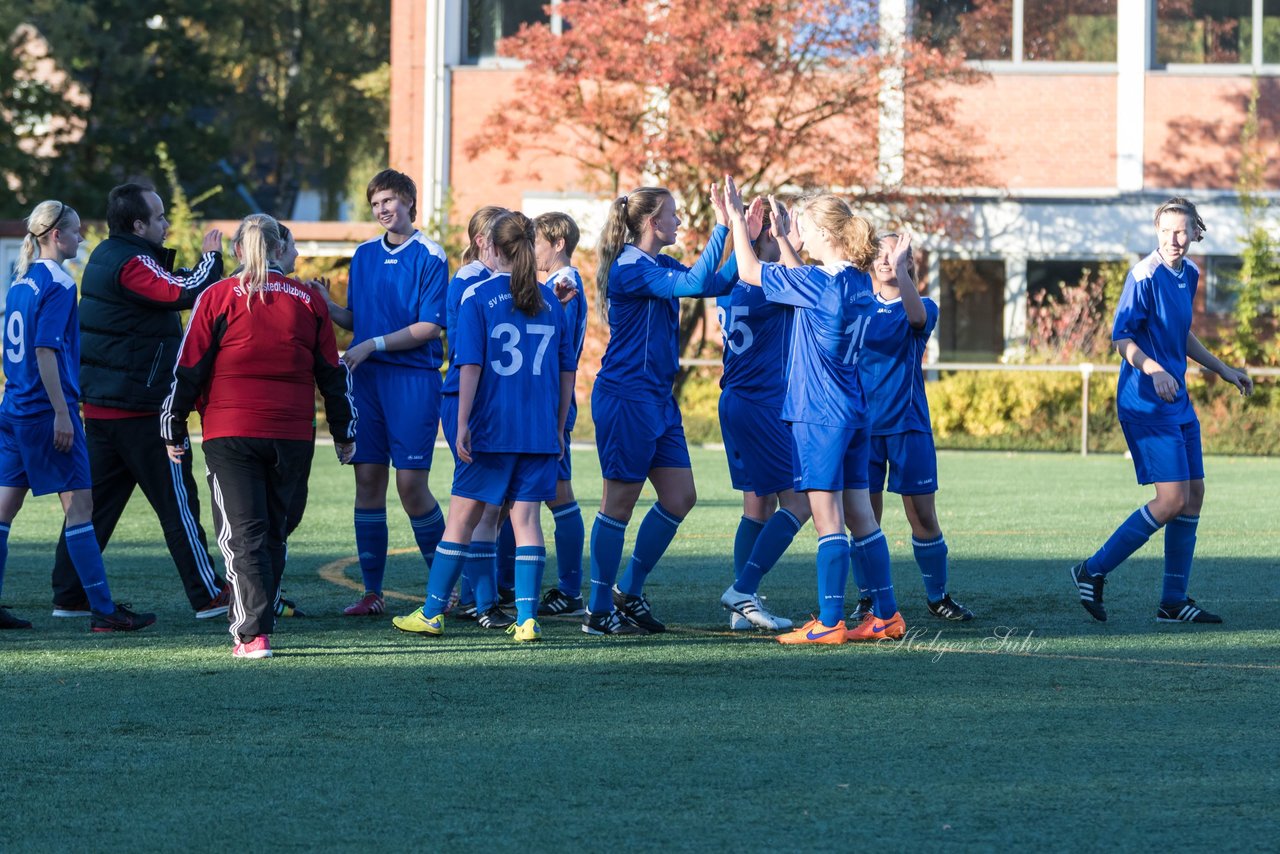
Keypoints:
pixel 825 402
pixel 257 346
pixel 639 434
pixel 42 442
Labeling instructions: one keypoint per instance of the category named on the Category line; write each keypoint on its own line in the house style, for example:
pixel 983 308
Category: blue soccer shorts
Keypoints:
pixel 1165 453
pixel 28 459
pixel 757 443
pixel 829 459
pixel 911 461
pixel 634 437
pixel 449 423
pixel 498 477
pixel 399 411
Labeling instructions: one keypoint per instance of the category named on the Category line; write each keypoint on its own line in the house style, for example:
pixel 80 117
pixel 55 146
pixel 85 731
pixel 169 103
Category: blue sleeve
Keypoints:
pixel 930 319
pixel 701 279
pixel 54 314
pixel 1133 310
pixel 469 337
pixel 802 287
pixel 568 348
pixel 435 285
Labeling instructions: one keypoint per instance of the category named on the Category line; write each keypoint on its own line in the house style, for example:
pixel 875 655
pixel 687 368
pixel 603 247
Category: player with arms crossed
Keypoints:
pixel 42 443
pixel 1152 332
pixel 396 308
pixel 515 355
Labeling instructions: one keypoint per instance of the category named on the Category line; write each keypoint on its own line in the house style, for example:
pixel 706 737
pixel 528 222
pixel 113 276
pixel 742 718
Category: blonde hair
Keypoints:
pixel 44 219
pixel 627 216
pixel 512 235
pixel 481 222
pixel 851 234
pixel 258 240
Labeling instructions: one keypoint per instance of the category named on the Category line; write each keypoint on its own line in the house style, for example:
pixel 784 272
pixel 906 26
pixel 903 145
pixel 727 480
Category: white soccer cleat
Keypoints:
pixel 750 608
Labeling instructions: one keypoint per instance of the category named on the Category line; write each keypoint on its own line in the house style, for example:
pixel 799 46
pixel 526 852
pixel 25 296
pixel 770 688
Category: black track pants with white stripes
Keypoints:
pixel 252 483
pixel 126 453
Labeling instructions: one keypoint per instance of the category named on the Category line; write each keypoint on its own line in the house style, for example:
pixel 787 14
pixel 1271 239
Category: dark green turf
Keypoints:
pixel 1067 734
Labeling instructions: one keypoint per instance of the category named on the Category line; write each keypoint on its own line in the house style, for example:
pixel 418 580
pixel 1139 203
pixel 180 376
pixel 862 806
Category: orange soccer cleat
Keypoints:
pixel 815 632
pixel 873 628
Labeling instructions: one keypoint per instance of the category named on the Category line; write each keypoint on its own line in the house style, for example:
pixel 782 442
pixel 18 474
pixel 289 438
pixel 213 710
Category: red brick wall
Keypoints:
pixel 408 57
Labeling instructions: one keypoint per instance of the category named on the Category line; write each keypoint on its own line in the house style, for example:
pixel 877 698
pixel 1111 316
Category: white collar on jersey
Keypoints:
pixel 393 250
pixel 562 271
pixel 884 301
pixel 632 254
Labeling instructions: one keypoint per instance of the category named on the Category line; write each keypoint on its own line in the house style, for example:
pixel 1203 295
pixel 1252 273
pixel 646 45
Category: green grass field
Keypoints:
pixel 1066 734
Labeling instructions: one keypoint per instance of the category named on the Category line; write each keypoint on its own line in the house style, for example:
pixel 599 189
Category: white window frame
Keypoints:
pixel 557 27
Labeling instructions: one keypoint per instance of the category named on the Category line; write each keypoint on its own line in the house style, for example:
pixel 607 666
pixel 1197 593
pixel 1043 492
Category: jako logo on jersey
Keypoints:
pixel 884 311
pixel 923 482
pixel 390 260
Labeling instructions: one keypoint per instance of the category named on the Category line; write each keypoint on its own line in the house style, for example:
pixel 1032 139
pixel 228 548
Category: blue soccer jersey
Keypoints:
pixel 756 345
pixel 391 287
pixel 575 314
pixel 470 275
pixel 823 385
pixel 643 354
pixel 517 404
pixel 40 311
pixel 892 378
pixel 1155 311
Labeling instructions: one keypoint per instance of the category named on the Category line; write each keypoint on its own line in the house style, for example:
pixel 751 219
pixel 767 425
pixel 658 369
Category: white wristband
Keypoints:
pixel 379 343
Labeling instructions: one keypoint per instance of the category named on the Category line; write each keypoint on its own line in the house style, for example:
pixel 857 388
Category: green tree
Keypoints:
pixel 1259 285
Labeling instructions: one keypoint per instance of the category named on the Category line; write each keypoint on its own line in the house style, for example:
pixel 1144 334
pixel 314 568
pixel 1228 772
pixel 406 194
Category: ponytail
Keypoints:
pixel 627 216
pixel 481 222
pixel 850 233
pixel 43 220
pixel 512 237
pixel 257 243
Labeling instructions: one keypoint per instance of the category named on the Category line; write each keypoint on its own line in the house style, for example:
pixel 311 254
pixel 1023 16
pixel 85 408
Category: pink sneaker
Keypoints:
pixel 259 647
pixel 370 605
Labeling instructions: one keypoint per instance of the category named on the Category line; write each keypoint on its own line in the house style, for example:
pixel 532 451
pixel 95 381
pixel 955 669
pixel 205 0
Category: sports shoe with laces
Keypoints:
pixel 288 608
pixel 507 597
pixel 8 621
pixel 873 628
pixel 556 603
pixel 495 618
pixel 370 605
pixel 947 608
pixel 638 611
pixel 739 623
pixel 858 614
pixel 1090 590
pixel 417 623
pixel 815 631
pixel 749 606
pixel 259 647
pixel 218 605
pixel 464 611
pixel 122 619
pixel 1186 611
pixel 73 609
pixel 612 623
pixel 529 630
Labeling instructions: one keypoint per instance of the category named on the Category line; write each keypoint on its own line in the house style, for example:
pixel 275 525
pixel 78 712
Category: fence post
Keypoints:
pixel 1086 371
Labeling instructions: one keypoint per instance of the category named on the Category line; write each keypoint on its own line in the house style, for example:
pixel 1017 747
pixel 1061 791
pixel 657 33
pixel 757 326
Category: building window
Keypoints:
pixel 1271 32
pixel 1220 280
pixel 490 21
pixel 1199 32
pixel 971 316
pixel 1051 30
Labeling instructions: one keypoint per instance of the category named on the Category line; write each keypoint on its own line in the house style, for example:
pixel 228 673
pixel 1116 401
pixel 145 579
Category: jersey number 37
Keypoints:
pixel 511 358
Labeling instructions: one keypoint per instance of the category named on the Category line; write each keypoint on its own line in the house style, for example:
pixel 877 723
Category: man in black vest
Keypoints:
pixel 129 337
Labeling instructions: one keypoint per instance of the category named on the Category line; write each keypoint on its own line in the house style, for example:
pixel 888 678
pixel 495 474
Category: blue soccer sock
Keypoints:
pixel 931 557
pixel 859 565
pixel 607 536
pixel 656 532
pixel 570 536
pixel 743 542
pixel 773 541
pixel 82 546
pixel 833 574
pixel 371 546
pixel 1132 535
pixel 4 552
pixel 873 550
pixel 449 561
pixel 427 531
pixel 506 568
pixel 466 593
pixel 482 571
pixel 530 562
pixel 1179 549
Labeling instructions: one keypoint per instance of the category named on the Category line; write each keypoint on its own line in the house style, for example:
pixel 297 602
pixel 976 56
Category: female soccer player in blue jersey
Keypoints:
pixel 1152 331
pixel 515 354
pixel 825 403
pixel 42 442
pixel 901 433
pixel 757 441
pixel 396 309
pixel 639 434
